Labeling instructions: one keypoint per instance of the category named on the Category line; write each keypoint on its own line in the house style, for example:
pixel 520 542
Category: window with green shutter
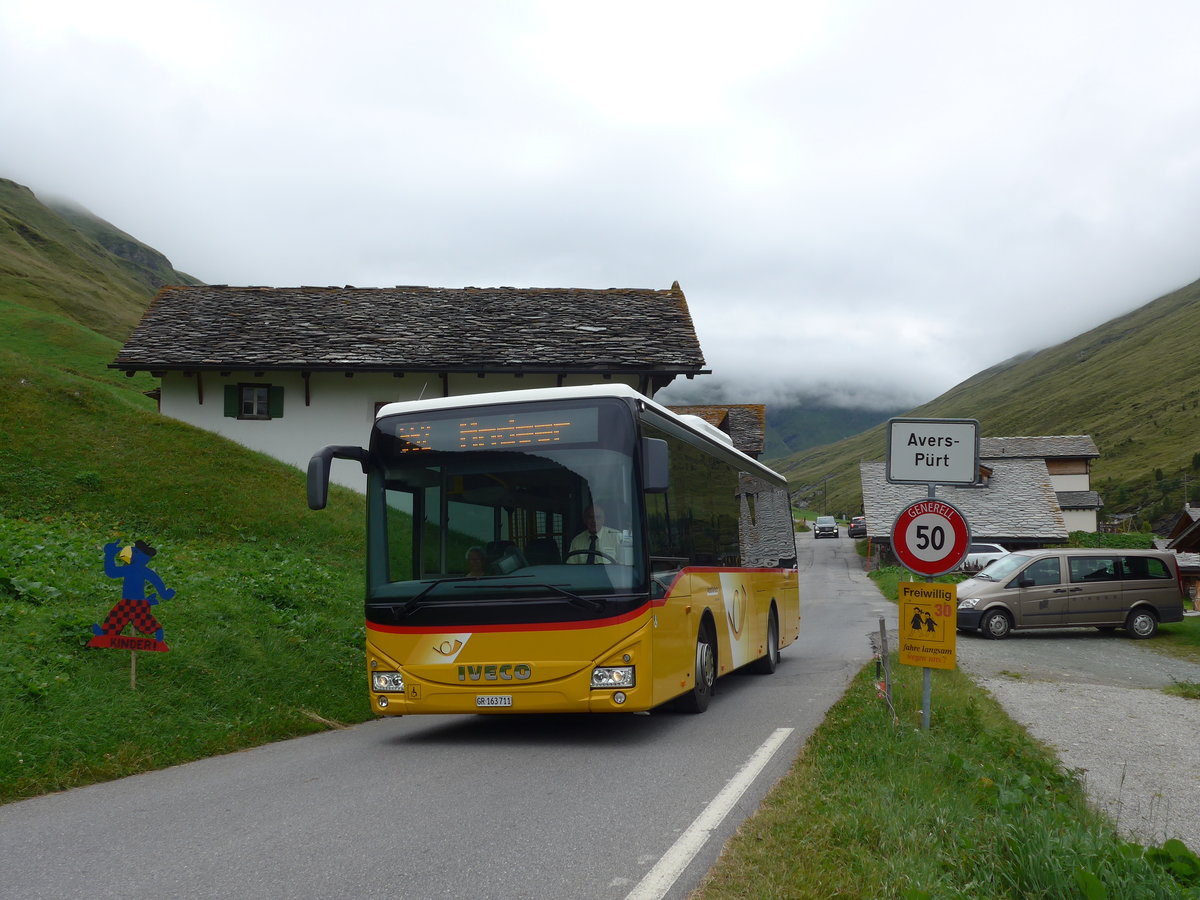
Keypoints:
pixel 254 401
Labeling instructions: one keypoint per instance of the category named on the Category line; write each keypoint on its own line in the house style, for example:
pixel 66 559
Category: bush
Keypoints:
pixel 1130 540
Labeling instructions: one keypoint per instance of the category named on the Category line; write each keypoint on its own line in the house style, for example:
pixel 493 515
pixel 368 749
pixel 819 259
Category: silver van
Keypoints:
pixel 1130 589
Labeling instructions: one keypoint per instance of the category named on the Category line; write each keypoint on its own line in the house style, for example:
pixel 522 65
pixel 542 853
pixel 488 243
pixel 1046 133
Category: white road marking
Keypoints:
pixel 660 879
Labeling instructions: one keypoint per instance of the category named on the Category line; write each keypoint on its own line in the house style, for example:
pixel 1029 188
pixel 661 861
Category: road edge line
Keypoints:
pixel 671 865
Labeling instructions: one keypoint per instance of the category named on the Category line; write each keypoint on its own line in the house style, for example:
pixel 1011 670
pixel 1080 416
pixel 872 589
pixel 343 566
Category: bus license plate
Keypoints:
pixel 493 700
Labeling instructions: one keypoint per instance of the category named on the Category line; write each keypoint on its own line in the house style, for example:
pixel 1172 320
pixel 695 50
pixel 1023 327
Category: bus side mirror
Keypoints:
pixel 318 471
pixel 655 468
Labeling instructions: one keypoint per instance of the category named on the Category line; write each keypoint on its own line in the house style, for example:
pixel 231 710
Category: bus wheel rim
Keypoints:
pixel 705 663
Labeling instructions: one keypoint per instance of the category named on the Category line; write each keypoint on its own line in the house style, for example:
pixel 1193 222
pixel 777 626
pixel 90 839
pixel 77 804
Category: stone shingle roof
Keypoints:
pixel 1184 521
pixel 745 423
pixel 1018 505
pixel 1186 537
pixel 1074 446
pixel 565 330
pixel 1080 500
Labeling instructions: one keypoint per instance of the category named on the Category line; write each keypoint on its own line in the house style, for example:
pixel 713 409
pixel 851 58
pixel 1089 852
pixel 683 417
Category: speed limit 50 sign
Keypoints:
pixel 930 537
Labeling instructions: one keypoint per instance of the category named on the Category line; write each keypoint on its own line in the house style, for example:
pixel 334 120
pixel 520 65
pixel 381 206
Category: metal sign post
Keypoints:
pixel 930 537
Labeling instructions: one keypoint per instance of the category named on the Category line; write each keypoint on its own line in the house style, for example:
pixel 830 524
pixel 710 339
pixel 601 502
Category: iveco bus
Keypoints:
pixel 565 549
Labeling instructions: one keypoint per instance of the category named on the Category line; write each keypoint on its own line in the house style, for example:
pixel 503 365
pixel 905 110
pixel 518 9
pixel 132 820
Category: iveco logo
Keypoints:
pixel 501 672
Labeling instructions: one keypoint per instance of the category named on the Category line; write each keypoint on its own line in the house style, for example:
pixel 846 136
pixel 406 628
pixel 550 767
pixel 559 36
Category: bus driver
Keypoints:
pixel 597 543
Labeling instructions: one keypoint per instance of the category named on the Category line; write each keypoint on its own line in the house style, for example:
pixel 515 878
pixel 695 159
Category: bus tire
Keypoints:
pixel 697 699
pixel 766 665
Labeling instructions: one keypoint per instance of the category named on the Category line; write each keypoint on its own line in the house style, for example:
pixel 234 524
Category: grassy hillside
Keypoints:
pixel 796 428
pixel 1129 383
pixel 266 627
pixel 64 260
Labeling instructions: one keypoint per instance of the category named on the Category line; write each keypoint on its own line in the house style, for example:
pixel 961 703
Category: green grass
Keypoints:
pixel 1189 690
pixel 266 643
pixel 1181 639
pixel 887 579
pixel 972 808
pixel 265 630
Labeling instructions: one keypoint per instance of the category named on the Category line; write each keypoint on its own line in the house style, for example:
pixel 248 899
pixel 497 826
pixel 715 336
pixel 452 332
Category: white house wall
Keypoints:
pixel 1080 519
pixel 1071 482
pixel 340 409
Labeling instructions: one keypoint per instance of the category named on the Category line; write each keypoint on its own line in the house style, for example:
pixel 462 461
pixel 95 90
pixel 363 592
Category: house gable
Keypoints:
pixel 1068 459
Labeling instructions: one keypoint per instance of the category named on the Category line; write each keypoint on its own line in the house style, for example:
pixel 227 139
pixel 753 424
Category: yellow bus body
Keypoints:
pixel 547 668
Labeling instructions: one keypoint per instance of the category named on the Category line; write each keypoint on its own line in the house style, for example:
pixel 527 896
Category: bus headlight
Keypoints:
pixel 612 677
pixel 387 681
pixel 969 603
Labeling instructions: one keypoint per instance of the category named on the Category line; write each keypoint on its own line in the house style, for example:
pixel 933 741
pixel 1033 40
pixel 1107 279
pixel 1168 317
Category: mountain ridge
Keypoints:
pixel 62 259
pixel 1127 382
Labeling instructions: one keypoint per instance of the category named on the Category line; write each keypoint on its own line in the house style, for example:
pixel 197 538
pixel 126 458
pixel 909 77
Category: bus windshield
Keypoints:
pixel 533 503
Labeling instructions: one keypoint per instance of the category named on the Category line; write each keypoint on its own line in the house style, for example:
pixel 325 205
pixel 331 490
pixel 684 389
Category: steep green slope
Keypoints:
pixel 1129 383
pixel 266 627
pixel 64 260
pixel 795 428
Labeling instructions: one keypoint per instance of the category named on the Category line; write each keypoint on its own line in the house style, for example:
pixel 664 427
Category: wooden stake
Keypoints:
pixel 133 670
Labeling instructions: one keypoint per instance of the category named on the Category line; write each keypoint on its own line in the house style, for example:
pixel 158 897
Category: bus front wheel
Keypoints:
pixel 697 699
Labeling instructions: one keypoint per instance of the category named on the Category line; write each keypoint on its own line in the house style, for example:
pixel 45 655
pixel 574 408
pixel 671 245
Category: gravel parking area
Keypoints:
pixel 1097 699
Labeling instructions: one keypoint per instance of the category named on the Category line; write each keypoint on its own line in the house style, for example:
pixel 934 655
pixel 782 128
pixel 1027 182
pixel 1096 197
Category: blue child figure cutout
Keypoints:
pixel 134 606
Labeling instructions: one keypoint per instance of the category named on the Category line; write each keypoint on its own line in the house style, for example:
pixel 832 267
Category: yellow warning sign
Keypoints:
pixel 928 619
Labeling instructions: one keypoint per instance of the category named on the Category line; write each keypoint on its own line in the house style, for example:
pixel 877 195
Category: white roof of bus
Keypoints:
pixel 574 392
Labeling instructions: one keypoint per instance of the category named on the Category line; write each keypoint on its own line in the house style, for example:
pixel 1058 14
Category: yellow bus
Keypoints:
pixel 571 549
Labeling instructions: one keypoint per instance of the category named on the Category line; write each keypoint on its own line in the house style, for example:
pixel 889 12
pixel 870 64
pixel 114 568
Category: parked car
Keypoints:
pixel 858 527
pixel 1130 589
pixel 826 527
pixel 979 555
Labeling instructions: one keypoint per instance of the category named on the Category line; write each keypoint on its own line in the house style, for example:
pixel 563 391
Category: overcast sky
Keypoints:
pixel 862 200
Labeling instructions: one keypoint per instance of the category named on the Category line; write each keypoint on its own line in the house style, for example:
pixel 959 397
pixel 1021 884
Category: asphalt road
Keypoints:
pixel 474 806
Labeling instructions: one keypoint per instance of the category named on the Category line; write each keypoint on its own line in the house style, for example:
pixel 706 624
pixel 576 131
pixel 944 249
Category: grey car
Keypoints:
pixel 1130 589
pixel 826 527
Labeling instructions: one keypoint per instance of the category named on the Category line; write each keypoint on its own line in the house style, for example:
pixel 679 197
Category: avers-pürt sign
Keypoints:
pixel 933 451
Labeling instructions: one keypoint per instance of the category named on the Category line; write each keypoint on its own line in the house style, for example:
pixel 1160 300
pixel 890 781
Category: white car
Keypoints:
pixel 979 555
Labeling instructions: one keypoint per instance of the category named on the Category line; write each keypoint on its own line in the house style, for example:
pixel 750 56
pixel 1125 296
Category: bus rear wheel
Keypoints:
pixel 765 665
pixel 697 699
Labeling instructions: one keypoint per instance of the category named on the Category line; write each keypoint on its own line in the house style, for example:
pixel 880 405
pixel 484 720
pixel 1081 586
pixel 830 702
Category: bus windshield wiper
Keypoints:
pixel 416 601
pixel 588 603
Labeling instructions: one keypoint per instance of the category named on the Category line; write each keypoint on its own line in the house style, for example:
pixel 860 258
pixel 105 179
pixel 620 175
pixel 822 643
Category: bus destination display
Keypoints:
pixel 504 431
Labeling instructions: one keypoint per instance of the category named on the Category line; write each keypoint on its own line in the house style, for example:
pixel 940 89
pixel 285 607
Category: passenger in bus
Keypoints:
pixel 597 543
pixel 476 562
